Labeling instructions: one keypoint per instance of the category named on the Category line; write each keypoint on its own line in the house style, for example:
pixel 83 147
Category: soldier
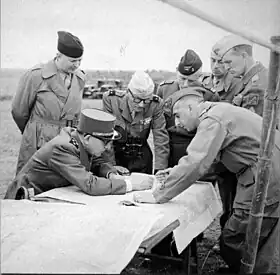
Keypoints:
pixel 231 135
pixel 49 97
pixel 138 111
pixel 222 82
pixel 236 54
pixel 219 80
pixel 67 160
pixel 189 71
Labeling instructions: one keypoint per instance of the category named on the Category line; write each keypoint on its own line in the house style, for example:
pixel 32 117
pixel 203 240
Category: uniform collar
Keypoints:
pixel 204 107
pixel 84 156
pixel 49 70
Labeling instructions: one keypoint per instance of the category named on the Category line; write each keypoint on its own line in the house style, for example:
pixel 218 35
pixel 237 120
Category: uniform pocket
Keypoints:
pixel 245 188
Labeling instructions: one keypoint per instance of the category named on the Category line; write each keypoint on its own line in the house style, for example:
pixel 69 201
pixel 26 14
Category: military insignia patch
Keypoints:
pixel 187 68
pixel 250 100
pixel 74 142
pixel 146 121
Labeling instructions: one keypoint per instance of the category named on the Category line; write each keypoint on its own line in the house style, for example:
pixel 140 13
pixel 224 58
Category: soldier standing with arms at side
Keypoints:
pixel 49 97
pixel 138 111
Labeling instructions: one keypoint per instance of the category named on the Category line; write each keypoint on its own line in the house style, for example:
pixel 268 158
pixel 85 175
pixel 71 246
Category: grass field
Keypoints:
pixel 9 146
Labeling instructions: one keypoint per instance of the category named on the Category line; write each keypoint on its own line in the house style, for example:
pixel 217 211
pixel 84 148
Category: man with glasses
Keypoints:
pixel 74 158
pixel 138 111
pixel 49 97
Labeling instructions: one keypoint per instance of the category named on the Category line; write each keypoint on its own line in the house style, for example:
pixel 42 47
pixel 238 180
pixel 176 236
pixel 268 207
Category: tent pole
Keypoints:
pixel 270 118
pixel 182 5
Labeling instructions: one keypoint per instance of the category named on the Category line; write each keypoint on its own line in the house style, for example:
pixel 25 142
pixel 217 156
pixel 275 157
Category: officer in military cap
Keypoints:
pixel 230 135
pixel 74 157
pixel 138 111
pixel 49 97
pixel 236 54
pixel 219 80
pixel 189 71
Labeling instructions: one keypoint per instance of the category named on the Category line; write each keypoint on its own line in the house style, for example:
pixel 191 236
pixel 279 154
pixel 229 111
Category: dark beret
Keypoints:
pixel 69 45
pixel 189 63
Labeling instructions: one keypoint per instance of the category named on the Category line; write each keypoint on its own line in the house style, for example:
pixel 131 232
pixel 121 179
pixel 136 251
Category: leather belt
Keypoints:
pixel 61 123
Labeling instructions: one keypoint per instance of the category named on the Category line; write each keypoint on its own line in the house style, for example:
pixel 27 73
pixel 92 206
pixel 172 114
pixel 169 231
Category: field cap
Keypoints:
pixel 69 45
pixel 189 63
pixel 98 123
pixel 141 85
pixel 189 91
pixel 227 43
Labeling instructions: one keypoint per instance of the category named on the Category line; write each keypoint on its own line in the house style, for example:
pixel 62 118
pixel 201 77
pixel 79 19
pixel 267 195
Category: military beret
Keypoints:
pixel 227 43
pixel 69 45
pixel 189 63
pixel 189 91
pixel 98 123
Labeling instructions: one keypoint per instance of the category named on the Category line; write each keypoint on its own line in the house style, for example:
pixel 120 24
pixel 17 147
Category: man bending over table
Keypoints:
pixel 74 157
pixel 231 136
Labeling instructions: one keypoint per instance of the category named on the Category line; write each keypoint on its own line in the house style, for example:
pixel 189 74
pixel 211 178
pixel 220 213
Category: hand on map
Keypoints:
pixel 122 170
pixel 162 175
pixel 141 183
pixel 144 197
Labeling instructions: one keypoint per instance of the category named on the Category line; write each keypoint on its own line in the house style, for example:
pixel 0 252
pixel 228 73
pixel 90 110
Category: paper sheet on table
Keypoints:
pixel 68 238
pixel 195 208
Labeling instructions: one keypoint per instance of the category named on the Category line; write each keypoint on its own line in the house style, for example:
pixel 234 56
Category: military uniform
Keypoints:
pixel 231 135
pixel 132 150
pixel 179 139
pixel 43 105
pixel 222 86
pixel 249 91
pixel 64 162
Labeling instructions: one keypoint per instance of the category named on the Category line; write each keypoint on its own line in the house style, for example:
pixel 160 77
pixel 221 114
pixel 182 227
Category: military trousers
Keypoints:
pixel 232 240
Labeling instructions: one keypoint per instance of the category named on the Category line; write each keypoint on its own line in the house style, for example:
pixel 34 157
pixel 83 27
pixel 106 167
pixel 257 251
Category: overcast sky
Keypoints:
pixel 126 34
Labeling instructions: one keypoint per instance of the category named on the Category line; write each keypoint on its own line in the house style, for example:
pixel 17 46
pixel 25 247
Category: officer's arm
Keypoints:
pixel 24 98
pixel 101 167
pixel 66 163
pixel 161 138
pixel 201 153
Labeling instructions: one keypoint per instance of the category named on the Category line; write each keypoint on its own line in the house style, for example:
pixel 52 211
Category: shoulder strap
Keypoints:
pixel 238 88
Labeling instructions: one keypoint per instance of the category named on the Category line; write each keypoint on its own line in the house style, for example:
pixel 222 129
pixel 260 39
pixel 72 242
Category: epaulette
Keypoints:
pixel 74 142
pixel 117 93
pixel 81 74
pixel 37 67
pixel 166 82
pixel 156 98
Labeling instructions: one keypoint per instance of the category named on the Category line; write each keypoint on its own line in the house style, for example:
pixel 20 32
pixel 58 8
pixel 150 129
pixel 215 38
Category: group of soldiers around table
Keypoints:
pixel 205 127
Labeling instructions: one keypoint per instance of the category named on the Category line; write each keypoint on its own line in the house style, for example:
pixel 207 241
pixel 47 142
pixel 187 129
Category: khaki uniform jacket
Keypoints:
pixel 62 162
pixel 152 118
pixel 251 90
pixel 42 106
pixel 223 87
pixel 168 88
pixel 230 135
